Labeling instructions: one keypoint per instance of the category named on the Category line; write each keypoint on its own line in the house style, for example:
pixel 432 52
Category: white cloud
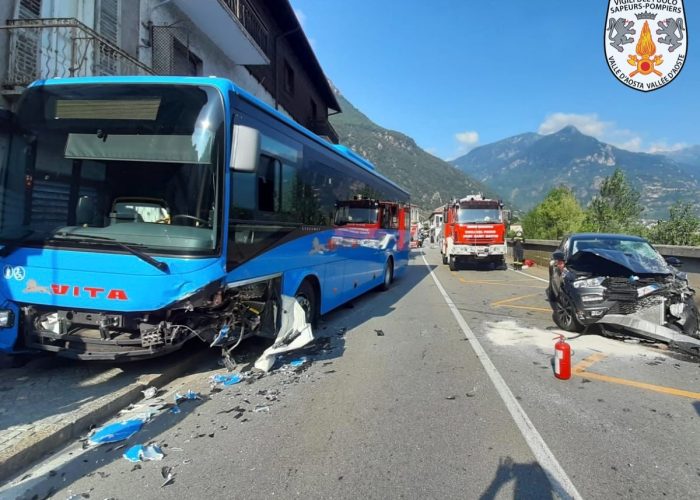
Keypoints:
pixel 467 138
pixel 605 131
pixel 663 147
pixel 588 124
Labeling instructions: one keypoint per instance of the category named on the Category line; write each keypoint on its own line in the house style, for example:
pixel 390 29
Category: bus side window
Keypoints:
pixel 268 180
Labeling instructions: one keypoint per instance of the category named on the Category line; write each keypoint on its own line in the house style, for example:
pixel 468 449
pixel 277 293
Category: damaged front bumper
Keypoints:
pixel 659 310
pixel 646 329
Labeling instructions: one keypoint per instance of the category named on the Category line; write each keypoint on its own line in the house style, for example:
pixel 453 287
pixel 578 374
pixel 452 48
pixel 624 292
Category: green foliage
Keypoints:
pixel 682 227
pixel 616 209
pixel 557 215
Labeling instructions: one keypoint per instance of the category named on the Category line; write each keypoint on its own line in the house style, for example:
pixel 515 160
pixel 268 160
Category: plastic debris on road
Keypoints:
pixel 225 380
pixel 141 453
pixel 188 396
pixel 175 410
pixel 294 333
pixel 262 409
pixel 118 431
pixel 167 473
pixel 380 333
pixel 149 393
pixel 296 363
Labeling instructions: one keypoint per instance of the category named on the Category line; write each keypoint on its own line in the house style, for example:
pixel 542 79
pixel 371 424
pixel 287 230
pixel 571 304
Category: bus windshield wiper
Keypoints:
pixel 12 245
pixel 162 266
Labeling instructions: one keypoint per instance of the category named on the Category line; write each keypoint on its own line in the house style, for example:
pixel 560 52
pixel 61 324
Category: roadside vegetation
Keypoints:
pixel 615 209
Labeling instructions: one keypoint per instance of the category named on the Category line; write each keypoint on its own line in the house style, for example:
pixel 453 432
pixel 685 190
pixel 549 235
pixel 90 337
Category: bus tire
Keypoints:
pixel 388 276
pixel 308 300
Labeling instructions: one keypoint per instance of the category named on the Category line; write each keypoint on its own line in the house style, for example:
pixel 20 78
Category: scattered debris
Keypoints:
pixel 188 396
pixel 296 363
pixel 294 333
pixel 175 410
pixel 225 380
pixel 262 409
pixel 341 331
pixel 141 453
pixel 115 432
pixel 380 333
pixel 451 398
pixel 167 473
pixel 150 393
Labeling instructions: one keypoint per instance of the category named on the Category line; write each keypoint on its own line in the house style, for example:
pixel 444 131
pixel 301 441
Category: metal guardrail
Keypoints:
pixel 62 47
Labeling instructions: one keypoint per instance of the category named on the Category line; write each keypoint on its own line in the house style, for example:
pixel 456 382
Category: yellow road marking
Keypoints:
pixel 587 362
pixel 507 303
pixel 580 371
pixel 513 299
pixel 529 308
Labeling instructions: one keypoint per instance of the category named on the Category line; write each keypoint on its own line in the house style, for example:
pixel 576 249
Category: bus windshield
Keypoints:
pixel 138 164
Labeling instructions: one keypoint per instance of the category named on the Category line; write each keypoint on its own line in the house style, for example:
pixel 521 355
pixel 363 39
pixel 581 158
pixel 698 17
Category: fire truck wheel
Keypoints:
pixel 444 259
pixel 306 296
pixel 453 263
pixel 388 275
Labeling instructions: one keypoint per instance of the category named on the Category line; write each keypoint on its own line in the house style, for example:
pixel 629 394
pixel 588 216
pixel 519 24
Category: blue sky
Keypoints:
pixel 455 74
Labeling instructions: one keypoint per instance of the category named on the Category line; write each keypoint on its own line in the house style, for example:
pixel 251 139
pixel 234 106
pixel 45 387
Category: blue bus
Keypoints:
pixel 139 212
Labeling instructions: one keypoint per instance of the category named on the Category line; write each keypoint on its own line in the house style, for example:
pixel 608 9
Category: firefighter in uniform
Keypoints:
pixel 518 254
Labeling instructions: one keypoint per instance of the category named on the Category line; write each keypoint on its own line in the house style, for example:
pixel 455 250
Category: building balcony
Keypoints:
pixel 233 25
pixel 62 47
pixel 57 48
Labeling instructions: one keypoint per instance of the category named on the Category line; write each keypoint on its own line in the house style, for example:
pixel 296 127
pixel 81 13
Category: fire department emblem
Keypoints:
pixel 646 42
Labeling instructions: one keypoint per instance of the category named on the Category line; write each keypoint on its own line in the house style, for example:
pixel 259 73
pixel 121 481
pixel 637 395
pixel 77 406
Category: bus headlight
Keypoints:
pixel 6 318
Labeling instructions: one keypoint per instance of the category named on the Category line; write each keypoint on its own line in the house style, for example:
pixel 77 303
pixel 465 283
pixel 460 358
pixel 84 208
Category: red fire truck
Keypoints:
pixel 362 220
pixel 474 230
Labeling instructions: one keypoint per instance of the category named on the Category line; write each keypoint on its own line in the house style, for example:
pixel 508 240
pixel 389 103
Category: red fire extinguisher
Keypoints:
pixel 562 359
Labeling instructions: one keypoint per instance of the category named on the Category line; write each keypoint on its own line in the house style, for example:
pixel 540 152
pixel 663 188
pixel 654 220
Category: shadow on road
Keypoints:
pixel 530 481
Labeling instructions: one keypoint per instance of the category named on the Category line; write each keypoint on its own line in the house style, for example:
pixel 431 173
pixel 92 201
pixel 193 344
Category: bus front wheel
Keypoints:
pixel 308 300
pixel 388 275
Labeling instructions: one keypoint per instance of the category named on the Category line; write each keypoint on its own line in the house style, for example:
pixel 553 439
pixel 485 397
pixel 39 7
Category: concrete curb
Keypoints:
pixel 49 437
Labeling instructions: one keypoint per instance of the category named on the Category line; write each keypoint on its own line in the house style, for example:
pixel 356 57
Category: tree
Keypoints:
pixel 682 227
pixel 557 215
pixel 616 209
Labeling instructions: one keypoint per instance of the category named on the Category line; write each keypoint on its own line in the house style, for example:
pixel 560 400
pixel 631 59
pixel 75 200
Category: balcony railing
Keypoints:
pixel 63 47
pixel 250 21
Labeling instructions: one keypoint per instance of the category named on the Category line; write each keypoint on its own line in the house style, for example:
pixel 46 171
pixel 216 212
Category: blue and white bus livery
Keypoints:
pixel 139 212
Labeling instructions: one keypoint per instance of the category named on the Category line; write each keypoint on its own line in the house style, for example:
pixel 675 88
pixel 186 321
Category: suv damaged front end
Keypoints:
pixel 633 295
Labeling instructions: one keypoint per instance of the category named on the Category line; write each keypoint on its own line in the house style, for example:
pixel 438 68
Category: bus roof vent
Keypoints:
pixel 358 158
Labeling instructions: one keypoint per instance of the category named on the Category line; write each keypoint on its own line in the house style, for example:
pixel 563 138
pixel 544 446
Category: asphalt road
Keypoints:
pixel 398 403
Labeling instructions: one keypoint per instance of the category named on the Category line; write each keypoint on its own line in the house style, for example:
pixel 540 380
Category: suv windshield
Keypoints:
pixel 137 164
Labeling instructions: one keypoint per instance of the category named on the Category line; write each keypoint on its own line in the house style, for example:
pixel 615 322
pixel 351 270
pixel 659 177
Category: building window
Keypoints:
pixel 184 61
pixel 29 9
pixel 288 78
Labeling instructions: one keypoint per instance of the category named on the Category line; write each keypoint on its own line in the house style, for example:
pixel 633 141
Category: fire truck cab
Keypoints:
pixel 474 231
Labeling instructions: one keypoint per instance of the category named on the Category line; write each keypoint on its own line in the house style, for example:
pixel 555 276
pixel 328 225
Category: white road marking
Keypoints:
pixel 530 276
pixel 561 484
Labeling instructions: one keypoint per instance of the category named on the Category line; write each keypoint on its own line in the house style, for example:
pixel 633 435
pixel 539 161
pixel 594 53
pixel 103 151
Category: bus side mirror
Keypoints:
pixel 245 148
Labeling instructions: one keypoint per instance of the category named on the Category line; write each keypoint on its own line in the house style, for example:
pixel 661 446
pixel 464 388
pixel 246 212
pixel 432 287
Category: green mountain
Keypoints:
pixel 430 180
pixel 525 167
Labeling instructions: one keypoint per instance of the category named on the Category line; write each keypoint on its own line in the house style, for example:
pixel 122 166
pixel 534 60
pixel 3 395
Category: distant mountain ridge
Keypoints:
pixel 523 168
pixel 430 180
